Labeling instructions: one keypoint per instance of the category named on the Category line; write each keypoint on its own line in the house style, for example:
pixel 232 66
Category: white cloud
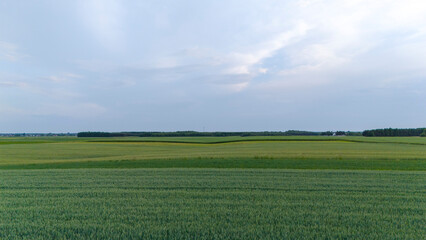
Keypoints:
pixel 227 66
pixel 63 78
pixel 243 62
pixel 9 52
pixel 75 110
pixel 13 84
pixel 236 87
pixel 83 110
pixel 105 20
pixel 263 70
pixel 306 3
pixel 347 35
pixel 55 87
pixel 314 57
pixel 318 37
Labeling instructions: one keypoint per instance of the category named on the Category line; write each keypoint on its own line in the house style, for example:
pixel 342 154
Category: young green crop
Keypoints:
pixel 211 204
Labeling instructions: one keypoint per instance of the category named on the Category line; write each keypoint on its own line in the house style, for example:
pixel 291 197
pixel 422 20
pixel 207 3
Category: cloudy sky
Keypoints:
pixel 110 65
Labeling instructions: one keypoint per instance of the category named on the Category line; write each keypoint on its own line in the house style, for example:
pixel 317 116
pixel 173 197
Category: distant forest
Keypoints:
pixel 386 132
pixel 395 132
pixel 215 134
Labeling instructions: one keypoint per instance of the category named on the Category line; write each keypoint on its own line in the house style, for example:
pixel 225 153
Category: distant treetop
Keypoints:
pixel 394 132
pixel 213 134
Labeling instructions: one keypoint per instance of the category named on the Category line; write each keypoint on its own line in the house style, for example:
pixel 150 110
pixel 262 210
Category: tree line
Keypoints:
pixel 395 132
pixel 215 134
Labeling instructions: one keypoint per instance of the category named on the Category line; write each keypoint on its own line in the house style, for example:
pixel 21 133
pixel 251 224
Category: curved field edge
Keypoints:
pixel 183 141
pixel 289 153
pixel 212 140
pixel 239 163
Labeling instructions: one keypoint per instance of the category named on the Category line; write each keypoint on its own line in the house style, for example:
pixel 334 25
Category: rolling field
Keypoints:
pixel 213 188
pixel 250 152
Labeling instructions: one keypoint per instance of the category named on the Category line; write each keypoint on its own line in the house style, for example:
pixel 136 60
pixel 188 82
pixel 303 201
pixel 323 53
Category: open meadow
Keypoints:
pixel 213 188
pixel 215 152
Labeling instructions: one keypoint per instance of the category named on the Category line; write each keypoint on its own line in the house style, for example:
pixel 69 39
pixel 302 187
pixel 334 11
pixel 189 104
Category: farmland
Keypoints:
pixel 213 188
pixel 232 152
pixel 205 204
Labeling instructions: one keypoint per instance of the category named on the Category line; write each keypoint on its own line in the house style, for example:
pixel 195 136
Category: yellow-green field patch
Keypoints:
pixel 387 155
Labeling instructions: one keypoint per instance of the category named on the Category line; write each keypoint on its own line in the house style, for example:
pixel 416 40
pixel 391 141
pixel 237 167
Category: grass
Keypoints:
pixel 201 140
pixel 211 204
pixel 257 152
pixel 262 162
pixel 213 188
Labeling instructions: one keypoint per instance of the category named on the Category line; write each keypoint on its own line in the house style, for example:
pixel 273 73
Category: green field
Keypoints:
pixel 213 188
pixel 232 152
pixel 207 204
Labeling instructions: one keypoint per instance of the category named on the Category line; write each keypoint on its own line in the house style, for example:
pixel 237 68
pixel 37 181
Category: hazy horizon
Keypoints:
pixel 316 65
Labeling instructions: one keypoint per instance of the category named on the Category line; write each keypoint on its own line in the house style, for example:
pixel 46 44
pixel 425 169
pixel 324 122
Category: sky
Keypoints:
pixel 223 65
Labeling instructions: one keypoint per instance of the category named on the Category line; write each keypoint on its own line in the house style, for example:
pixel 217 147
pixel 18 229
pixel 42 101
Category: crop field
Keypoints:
pixel 213 188
pixel 232 152
pixel 211 203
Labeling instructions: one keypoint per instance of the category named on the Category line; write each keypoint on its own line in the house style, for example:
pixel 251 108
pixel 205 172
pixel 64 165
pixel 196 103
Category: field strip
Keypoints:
pixel 251 140
pixel 231 163
pixel 210 141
